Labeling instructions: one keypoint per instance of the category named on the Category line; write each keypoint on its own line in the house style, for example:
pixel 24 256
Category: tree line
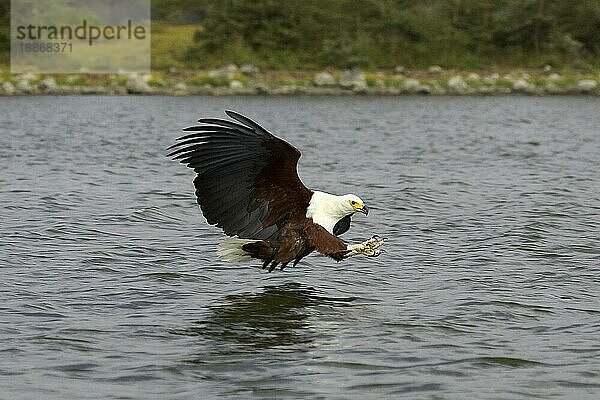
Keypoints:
pixel 308 34
pixel 385 33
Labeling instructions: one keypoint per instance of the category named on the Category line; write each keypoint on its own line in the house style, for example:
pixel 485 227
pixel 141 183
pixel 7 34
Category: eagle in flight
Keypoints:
pixel 247 184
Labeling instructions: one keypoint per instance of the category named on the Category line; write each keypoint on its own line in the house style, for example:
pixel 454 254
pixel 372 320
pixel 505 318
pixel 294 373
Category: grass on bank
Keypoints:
pixel 169 45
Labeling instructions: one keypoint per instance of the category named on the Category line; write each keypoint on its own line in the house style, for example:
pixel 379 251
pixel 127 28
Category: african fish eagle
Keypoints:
pixel 247 184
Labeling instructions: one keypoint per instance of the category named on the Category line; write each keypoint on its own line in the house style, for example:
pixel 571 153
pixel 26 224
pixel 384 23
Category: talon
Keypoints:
pixel 375 253
pixel 369 248
pixel 375 244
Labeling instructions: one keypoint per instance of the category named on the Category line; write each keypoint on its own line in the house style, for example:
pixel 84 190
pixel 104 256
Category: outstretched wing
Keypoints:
pixel 247 182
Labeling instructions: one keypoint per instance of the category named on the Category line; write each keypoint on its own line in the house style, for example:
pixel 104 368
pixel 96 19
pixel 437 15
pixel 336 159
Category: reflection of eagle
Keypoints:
pixel 247 185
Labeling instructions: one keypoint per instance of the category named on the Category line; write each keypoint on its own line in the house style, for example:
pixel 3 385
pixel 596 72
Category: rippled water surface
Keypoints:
pixel 489 288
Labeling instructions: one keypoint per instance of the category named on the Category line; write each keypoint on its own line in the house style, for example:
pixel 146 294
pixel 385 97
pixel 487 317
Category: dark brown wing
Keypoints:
pixel 247 182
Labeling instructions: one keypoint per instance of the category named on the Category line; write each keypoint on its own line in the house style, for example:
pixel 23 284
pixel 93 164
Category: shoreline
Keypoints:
pixel 247 80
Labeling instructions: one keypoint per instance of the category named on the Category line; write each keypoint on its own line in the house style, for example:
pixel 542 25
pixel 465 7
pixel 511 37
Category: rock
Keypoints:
pixel 136 84
pixel 437 90
pixel 411 85
pixel 180 86
pixel 286 89
pixel 117 90
pixel 552 88
pixel 473 76
pixel 29 76
pixel 353 79
pixel 8 88
pixel 94 90
pixel 491 79
pixel 228 71
pixel 587 85
pixel 435 69
pixel 360 88
pixel 236 85
pixel 536 90
pixel 261 88
pixel 47 84
pixel 456 84
pixel 23 85
pixel 324 79
pixel 486 90
pixel 521 85
pixel 554 77
pixel 547 68
pixel 399 70
pixel 249 69
pixel 424 89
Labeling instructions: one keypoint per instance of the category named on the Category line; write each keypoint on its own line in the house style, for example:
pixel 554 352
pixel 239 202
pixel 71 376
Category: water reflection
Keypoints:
pixel 276 316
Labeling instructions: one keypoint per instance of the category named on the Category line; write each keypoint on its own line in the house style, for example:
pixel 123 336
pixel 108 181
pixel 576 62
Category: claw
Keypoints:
pixel 375 253
pixel 369 248
pixel 374 244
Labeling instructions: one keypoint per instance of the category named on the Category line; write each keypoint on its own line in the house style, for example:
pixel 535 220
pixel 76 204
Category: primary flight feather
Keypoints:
pixel 247 184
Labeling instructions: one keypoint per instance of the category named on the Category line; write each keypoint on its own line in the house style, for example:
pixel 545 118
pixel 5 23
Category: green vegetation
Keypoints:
pixel 170 44
pixel 4 31
pixel 309 34
pixel 203 79
pixel 369 34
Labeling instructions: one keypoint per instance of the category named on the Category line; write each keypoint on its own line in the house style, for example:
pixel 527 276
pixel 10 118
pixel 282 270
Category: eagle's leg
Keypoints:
pixel 370 248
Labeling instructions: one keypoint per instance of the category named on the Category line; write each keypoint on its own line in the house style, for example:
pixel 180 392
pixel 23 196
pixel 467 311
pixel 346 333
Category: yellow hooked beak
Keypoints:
pixel 363 209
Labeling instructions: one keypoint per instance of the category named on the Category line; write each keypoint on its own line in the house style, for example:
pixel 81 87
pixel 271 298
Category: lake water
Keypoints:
pixel 490 287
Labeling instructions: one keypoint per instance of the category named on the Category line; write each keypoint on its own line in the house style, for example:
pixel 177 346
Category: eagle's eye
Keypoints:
pixel 353 203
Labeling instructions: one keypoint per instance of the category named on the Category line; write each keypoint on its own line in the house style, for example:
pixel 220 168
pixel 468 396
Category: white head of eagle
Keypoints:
pixel 247 184
pixel 328 209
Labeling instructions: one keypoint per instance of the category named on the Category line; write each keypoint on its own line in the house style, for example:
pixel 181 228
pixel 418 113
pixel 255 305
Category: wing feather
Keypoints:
pixel 247 181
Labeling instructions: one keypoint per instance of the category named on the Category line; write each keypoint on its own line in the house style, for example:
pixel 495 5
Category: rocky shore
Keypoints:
pixel 247 80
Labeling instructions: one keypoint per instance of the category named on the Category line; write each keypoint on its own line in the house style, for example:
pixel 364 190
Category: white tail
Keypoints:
pixel 230 250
